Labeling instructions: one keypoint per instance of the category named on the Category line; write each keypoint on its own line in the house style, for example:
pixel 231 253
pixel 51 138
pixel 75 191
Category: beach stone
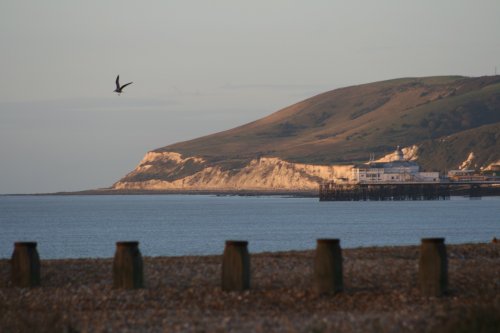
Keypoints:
pixel 235 266
pixel 128 266
pixel 25 265
pixel 433 267
pixel 380 285
pixel 328 274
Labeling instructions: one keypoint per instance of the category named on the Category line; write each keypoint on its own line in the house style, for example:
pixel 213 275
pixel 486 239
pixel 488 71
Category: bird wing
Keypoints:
pixel 118 82
pixel 126 84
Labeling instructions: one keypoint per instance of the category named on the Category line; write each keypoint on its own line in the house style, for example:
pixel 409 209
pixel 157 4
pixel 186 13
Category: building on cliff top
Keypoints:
pixel 397 170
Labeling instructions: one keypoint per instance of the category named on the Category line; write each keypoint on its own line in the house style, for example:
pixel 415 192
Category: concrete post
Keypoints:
pixel 127 266
pixel 235 266
pixel 25 265
pixel 433 267
pixel 328 276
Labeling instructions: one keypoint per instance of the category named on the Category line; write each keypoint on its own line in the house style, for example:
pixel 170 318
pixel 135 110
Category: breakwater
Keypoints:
pixel 183 294
pixel 128 271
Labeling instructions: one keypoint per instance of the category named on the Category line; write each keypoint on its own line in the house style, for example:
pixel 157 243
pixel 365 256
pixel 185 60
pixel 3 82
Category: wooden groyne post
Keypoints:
pixel 25 265
pixel 236 266
pixel 127 266
pixel 433 267
pixel 328 274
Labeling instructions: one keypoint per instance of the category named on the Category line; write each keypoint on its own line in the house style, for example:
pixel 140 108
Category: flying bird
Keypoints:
pixel 118 87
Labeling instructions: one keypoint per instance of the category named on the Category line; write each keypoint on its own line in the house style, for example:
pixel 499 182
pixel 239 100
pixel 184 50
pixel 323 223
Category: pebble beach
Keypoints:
pixel 183 294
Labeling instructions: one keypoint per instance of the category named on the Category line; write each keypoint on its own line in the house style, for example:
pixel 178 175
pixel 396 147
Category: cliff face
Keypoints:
pixel 440 121
pixel 263 174
pixel 266 173
pixel 170 171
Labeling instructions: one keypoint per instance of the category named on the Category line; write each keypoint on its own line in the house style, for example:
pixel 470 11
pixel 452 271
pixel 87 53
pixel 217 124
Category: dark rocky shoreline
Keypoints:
pixel 183 294
pixel 459 192
pixel 284 193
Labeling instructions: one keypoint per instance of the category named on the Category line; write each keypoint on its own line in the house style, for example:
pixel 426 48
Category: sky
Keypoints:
pixel 200 67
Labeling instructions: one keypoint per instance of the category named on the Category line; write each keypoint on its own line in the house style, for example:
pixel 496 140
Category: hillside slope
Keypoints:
pixel 446 118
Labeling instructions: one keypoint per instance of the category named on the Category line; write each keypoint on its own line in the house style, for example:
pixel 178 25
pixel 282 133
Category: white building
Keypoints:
pixel 397 170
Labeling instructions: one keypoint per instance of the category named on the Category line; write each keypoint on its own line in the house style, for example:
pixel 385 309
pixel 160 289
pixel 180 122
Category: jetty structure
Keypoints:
pixel 400 179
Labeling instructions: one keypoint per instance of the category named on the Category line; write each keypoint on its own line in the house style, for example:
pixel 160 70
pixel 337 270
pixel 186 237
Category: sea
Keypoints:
pixel 175 225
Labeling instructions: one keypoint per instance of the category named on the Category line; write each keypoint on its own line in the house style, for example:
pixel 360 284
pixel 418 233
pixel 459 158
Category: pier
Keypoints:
pixel 396 178
pixel 398 191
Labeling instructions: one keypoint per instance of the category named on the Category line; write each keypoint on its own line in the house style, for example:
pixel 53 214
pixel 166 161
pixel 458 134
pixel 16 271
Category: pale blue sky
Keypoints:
pixel 199 67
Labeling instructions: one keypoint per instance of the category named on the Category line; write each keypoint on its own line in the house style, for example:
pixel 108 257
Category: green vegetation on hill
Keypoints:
pixel 448 116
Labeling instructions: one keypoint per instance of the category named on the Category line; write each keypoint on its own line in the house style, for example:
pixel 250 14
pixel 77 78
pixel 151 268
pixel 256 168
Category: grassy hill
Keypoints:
pixel 446 116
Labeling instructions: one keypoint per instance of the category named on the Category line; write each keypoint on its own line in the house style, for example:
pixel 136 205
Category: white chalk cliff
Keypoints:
pixel 265 173
pixel 172 171
pixel 409 154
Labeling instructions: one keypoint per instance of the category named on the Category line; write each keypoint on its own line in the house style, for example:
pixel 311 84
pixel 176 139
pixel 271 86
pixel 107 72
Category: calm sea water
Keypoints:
pixel 171 225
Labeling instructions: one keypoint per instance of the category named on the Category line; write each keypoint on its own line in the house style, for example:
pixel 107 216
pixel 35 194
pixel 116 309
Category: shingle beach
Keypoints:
pixel 183 294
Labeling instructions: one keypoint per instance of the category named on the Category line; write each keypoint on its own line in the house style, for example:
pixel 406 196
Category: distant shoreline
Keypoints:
pixel 243 193
pixel 296 193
